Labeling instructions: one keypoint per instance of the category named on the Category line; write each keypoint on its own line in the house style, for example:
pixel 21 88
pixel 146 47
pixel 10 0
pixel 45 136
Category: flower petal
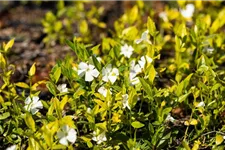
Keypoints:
pixel 83 66
pixel 88 76
pixel 112 78
pixel 38 105
pixel 138 41
pixel 28 100
pixel 35 99
pixel 72 135
pixel 95 73
pixel 105 78
pixel 34 110
pixel 63 141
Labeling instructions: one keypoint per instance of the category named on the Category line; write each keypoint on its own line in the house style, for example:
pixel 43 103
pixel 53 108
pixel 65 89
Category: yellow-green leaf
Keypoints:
pixel 2 61
pixel 22 85
pixel 193 122
pixel 137 124
pixel 9 45
pixel 152 73
pixel 30 121
pixel 219 139
pixel 151 26
pixel 133 14
pixel 32 70
pixel 83 27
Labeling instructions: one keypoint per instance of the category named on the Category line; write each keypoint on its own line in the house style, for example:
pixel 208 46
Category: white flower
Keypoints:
pixel 66 134
pixel 144 37
pixel 62 88
pixel 188 11
pixel 170 118
pixel 125 101
pixel 88 70
pixel 209 50
pixel 89 110
pixel 126 50
pixel 201 104
pixel 99 138
pixel 163 15
pixel 13 147
pixel 102 90
pixel 142 62
pixel 33 104
pixel 134 70
pixel 110 74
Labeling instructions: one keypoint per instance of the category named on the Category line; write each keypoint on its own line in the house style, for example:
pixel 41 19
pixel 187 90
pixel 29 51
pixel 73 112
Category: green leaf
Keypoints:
pixel 30 121
pixel 147 87
pixel 59 146
pixel 79 49
pixel 130 33
pixel 22 85
pixel 181 30
pixel 219 22
pixel 132 99
pixel 183 97
pixel 83 27
pixel 185 145
pixel 2 61
pixel 151 27
pixel 51 88
pixel 70 44
pixel 57 74
pixel 152 74
pixel 96 63
pixel 137 124
pixel 9 45
pixel 219 139
pixel 32 70
pixel 4 115
pixel 134 14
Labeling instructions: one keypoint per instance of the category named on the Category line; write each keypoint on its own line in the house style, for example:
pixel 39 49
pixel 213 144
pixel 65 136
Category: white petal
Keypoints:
pixel 112 78
pixel 137 68
pixel 138 41
pixel 201 104
pixel 35 99
pixel 38 105
pixel 81 72
pixel 144 35
pixel 135 81
pixel 115 71
pixel 82 66
pixel 102 90
pixel 149 59
pixel 26 107
pixel 105 78
pixel 72 135
pixel 63 141
pixel 13 147
pixel 88 76
pixel 28 100
pixel 91 67
pixel 95 73
pixel 34 111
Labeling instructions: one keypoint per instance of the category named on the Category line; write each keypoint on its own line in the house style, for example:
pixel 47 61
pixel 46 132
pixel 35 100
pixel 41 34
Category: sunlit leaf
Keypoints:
pixel 137 124
pixel 32 70
pixel 219 139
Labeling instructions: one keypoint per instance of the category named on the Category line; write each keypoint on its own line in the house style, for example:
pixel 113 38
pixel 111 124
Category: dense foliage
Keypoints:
pixel 156 83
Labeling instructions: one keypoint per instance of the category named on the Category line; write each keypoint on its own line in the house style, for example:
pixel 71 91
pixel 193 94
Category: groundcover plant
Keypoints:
pixel 148 86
